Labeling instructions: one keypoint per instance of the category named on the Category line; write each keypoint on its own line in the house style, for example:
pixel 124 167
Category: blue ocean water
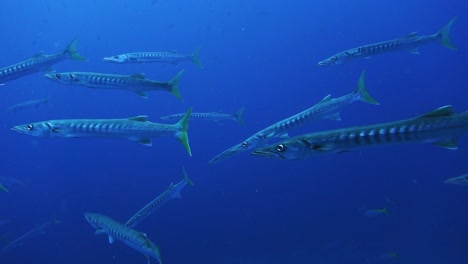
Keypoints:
pixel 261 55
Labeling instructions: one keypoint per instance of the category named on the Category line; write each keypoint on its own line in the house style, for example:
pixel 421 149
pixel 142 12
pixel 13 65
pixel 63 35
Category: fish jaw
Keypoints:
pixel 41 129
pixel 116 58
pixel 267 153
pixel 236 149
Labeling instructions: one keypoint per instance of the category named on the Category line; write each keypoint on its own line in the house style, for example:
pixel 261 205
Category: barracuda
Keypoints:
pixel 213 116
pixel 135 128
pixel 410 42
pixel 440 127
pixel 130 237
pixel 28 104
pixel 328 108
pixel 163 56
pixel 459 180
pixel 173 191
pixel 39 62
pixel 136 83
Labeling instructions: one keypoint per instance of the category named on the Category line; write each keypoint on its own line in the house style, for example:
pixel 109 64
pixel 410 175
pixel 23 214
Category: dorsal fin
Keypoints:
pixel 173 51
pixel 141 118
pixel 326 99
pixel 446 110
pixel 138 75
pixel 411 35
pixel 39 54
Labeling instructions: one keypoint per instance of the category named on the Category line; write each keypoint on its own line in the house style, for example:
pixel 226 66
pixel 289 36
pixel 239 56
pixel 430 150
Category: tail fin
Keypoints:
pixel 196 58
pixel 2 188
pixel 186 178
pixel 384 211
pixel 239 116
pixel 174 83
pixel 181 134
pixel 71 49
pixel 444 35
pixel 361 90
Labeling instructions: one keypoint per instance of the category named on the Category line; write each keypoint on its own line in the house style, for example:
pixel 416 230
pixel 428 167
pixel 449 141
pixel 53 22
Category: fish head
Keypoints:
pixel 336 59
pixel 38 129
pixel 93 219
pixel 64 77
pixel 117 58
pixel 289 150
pixel 461 180
pixel 248 144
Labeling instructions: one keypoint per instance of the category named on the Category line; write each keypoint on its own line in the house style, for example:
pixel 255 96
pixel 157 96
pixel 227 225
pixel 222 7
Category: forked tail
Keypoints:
pixel 239 116
pixel 181 134
pixel 174 83
pixel 444 35
pixel 362 90
pixel 71 50
pixel 196 58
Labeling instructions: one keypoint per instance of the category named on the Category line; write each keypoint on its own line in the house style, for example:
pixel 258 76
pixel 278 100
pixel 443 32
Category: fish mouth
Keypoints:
pixel 266 154
pixel 323 63
pixel 48 76
pixel 107 59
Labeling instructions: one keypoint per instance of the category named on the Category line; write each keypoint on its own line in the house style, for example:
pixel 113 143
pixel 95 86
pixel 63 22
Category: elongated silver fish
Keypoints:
pixel 440 127
pixel 136 83
pixel 173 191
pixel 328 108
pixel 213 116
pixel 410 42
pixel 130 237
pixel 28 104
pixel 158 56
pixel 39 62
pixel 40 229
pixel 459 180
pixel 135 128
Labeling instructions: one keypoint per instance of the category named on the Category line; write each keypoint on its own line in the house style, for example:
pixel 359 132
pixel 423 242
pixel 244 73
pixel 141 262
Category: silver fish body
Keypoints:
pixel 410 42
pixel 136 83
pixel 173 191
pixel 459 180
pixel 135 128
pixel 157 56
pixel 440 127
pixel 28 104
pixel 130 237
pixel 211 116
pixel 37 63
pixel 327 108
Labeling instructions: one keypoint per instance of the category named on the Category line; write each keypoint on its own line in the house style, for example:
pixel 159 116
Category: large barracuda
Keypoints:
pixel 173 191
pixel 410 42
pixel 328 108
pixel 440 127
pixel 211 116
pixel 136 83
pixel 156 56
pixel 130 237
pixel 135 128
pixel 40 62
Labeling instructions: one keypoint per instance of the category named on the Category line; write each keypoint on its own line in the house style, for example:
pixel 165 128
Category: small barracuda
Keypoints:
pixel 28 104
pixel 173 191
pixel 35 231
pixel 130 237
pixel 410 42
pixel 39 62
pixel 163 56
pixel 327 108
pixel 136 83
pixel 440 127
pixel 213 116
pixel 135 128
pixel 459 180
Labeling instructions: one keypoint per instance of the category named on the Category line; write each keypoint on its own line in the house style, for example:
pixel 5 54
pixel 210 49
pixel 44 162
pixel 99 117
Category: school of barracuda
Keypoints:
pixel 441 126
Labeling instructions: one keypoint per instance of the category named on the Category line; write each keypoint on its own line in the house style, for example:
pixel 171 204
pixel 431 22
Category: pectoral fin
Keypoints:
pixel 111 240
pixel 143 141
pixel 414 51
pixel 450 143
pixel 142 94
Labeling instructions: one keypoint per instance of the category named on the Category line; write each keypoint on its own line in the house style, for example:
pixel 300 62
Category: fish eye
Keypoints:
pixel 280 148
pixel 466 178
pixel 29 127
pixel 244 144
pixel 116 57
pixel 334 58
pixel 58 76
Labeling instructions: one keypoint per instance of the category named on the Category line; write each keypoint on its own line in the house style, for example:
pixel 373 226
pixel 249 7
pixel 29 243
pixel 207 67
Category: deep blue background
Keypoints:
pixel 257 54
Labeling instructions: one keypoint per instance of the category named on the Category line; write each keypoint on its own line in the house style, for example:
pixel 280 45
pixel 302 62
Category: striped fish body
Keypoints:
pixel 39 62
pixel 135 128
pixel 136 83
pixel 212 116
pixel 441 127
pixel 130 237
pixel 410 42
pixel 173 191
pixel 164 56
pixel 459 180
